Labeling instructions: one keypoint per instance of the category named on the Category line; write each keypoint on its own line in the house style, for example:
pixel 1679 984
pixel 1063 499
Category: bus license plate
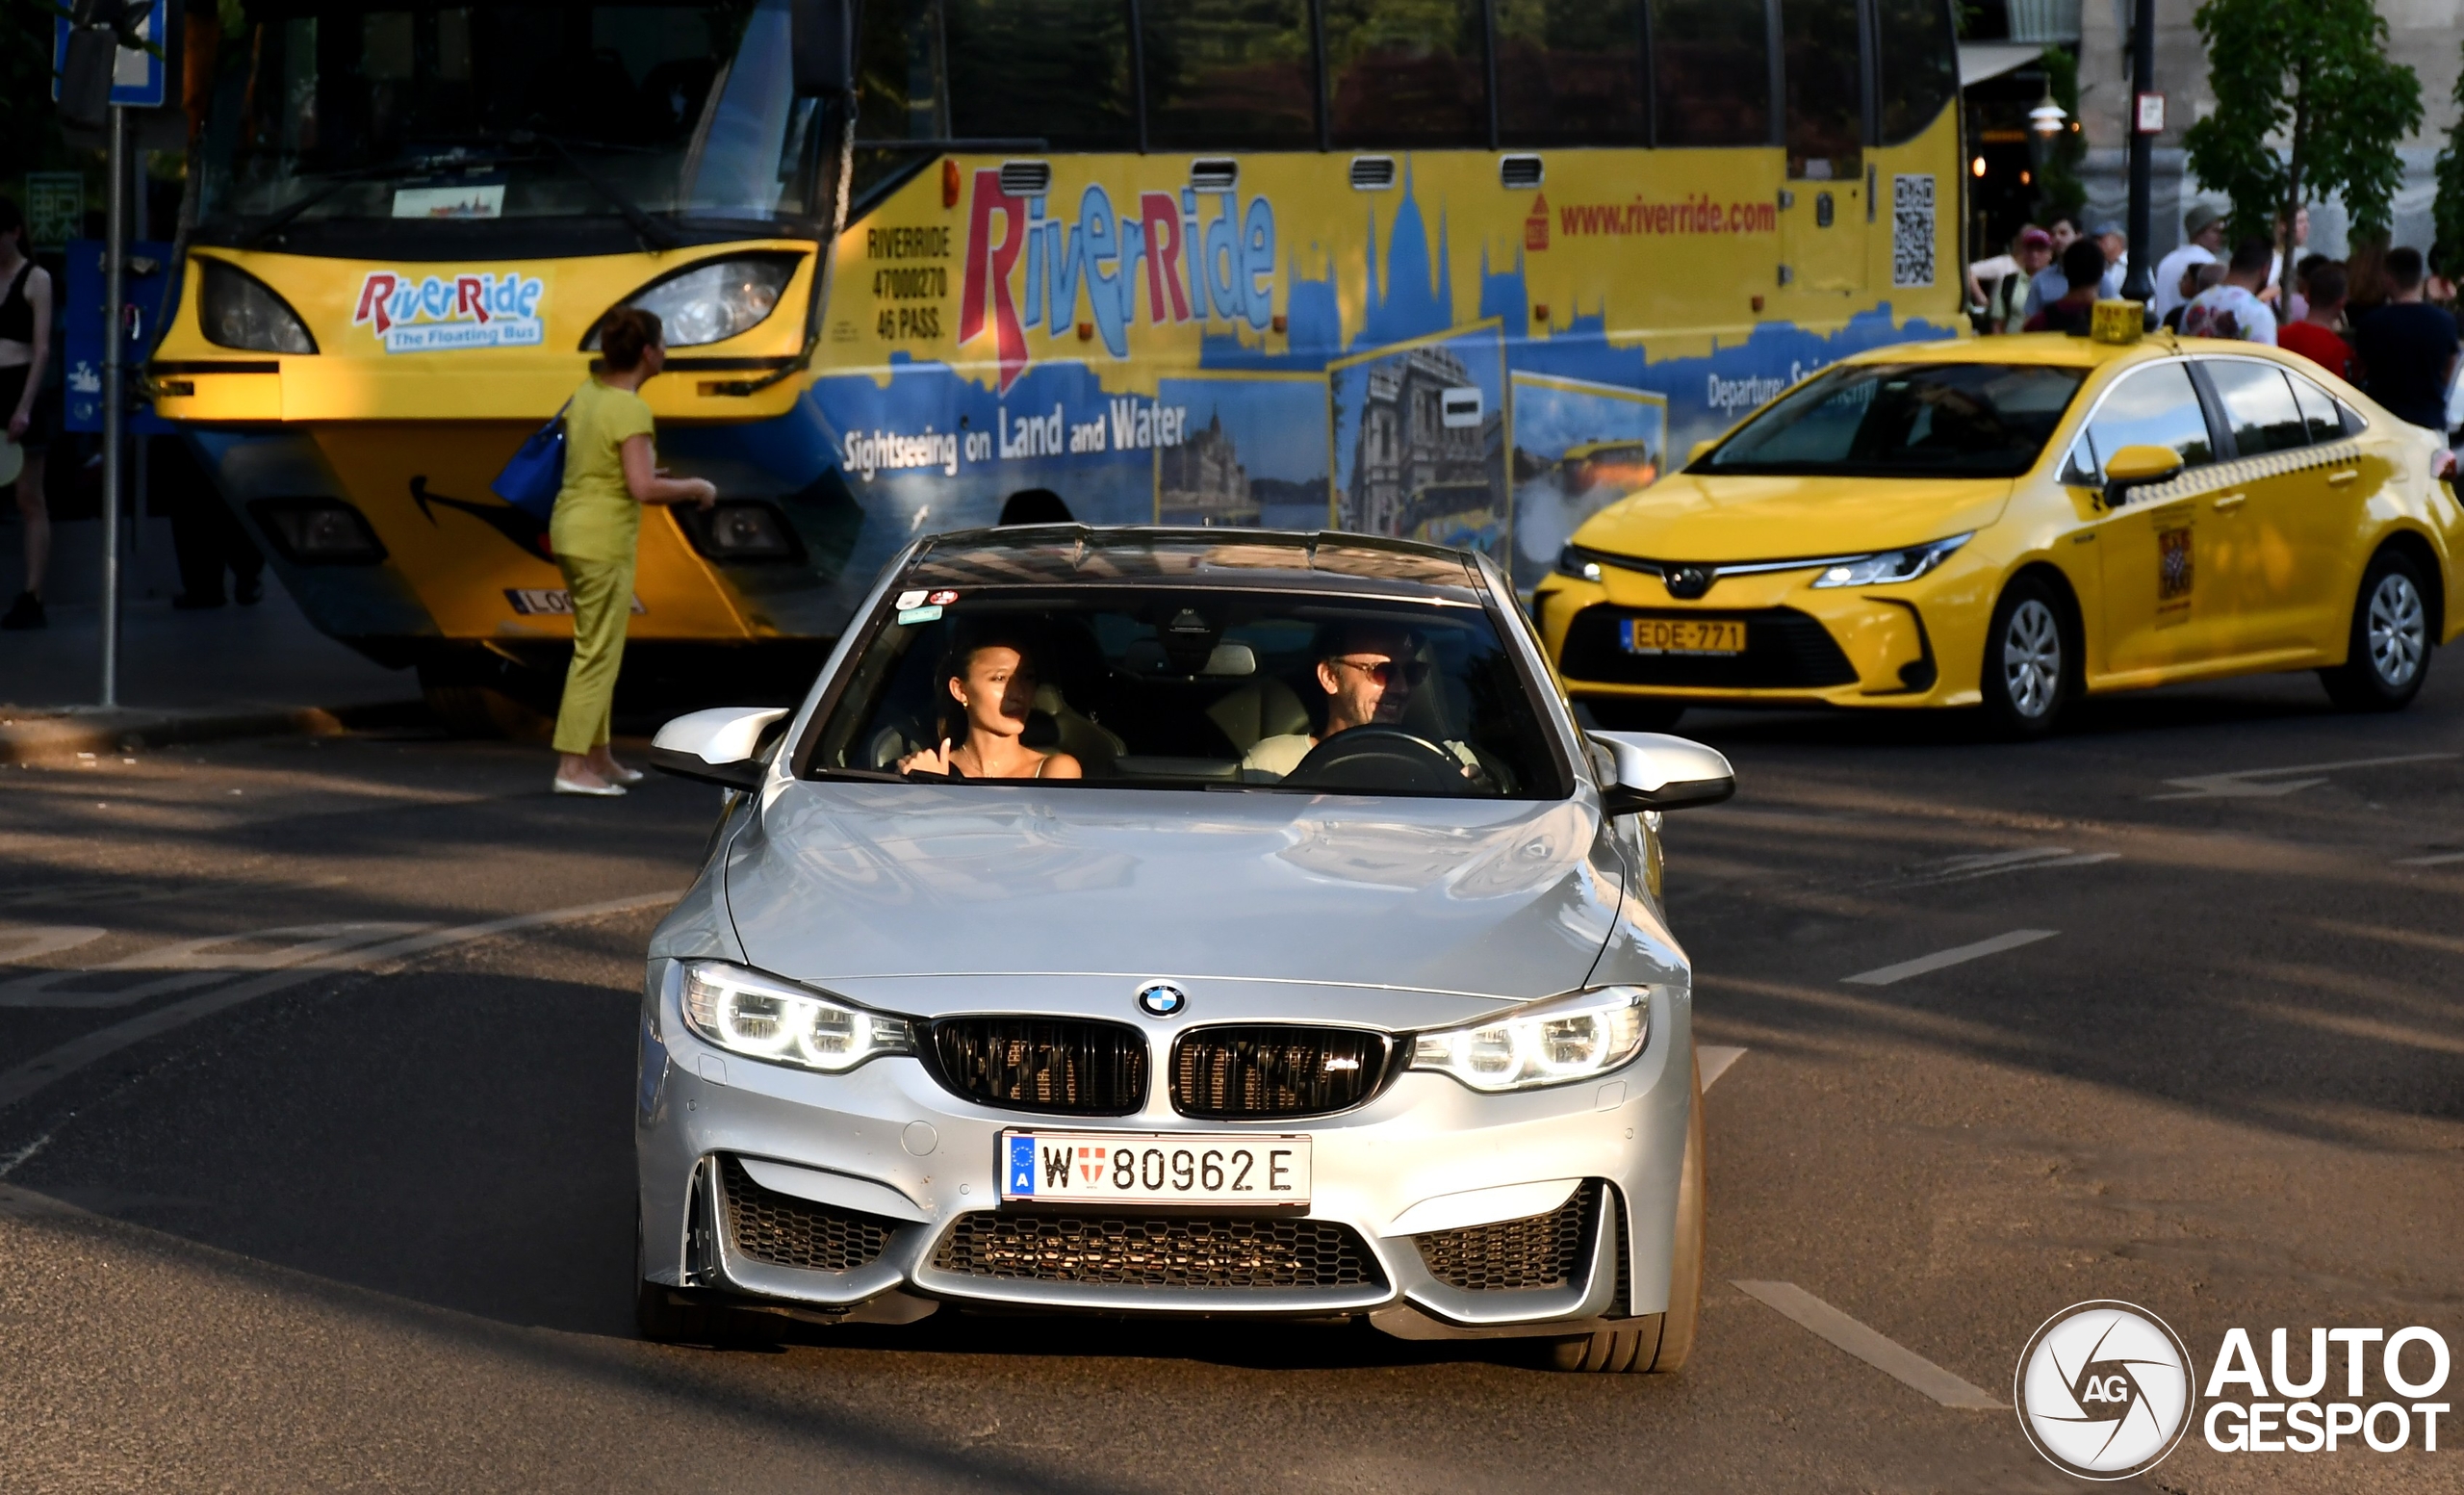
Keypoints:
pixel 1153 1167
pixel 1672 636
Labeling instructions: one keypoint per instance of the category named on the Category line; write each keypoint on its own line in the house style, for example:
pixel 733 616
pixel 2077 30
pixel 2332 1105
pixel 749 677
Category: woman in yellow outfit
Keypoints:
pixel 610 472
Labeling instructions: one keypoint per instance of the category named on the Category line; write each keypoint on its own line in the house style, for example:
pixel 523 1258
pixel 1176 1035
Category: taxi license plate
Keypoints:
pixel 1153 1168
pixel 1672 636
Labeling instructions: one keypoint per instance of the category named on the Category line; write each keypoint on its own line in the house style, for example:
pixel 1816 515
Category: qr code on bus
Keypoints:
pixel 1912 231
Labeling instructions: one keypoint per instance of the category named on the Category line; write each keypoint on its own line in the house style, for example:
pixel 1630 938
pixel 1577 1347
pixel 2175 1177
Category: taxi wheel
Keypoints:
pixel 2388 655
pixel 1660 1342
pixel 2029 661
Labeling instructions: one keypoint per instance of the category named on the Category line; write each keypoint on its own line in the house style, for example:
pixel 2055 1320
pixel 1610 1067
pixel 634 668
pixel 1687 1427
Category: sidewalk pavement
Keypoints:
pixel 183 677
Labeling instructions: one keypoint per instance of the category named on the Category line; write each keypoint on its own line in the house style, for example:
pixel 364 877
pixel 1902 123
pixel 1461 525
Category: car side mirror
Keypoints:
pixel 721 746
pixel 1656 771
pixel 822 47
pixel 2138 467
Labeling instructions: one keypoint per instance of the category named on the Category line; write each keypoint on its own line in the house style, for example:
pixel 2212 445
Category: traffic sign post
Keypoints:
pixel 114 397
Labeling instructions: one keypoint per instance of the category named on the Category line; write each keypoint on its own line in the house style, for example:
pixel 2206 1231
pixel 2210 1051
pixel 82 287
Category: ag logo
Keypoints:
pixel 2104 1390
pixel 1162 1000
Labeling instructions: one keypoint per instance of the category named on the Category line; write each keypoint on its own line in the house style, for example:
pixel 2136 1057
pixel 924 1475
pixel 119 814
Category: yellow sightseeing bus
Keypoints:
pixel 1464 270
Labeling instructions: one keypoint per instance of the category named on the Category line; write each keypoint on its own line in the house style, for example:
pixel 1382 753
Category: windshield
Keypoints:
pixel 1163 687
pixel 1904 420
pixel 329 111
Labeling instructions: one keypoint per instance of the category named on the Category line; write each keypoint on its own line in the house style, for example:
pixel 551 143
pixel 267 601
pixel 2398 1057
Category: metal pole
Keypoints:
pixel 2141 284
pixel 114 417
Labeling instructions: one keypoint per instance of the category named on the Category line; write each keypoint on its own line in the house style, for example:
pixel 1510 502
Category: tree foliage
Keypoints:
pixel 2448 252
pixel 2314 74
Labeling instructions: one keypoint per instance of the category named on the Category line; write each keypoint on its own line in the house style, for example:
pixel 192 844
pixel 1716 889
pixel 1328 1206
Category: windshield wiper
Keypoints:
pixel 650 230
pixel 291 213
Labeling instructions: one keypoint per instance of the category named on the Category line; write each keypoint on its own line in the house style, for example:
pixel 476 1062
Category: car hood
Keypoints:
pixel 1689 517
pixel 840 882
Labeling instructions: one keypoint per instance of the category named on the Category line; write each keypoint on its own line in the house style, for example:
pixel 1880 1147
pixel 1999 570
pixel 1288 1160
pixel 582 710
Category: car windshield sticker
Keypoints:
pixel 942 598
pixel 2174 575
pixel 918 615
pixel 907 600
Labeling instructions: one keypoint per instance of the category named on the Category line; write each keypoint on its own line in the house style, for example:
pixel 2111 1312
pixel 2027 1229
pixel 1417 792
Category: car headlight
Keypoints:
pixel 1573 562
pixel 1554 1042
pixel 235 309
pixel 763 1017
pixel 1884 567
pixel 713 303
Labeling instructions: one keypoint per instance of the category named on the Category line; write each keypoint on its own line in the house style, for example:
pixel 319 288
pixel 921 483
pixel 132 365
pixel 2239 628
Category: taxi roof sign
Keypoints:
pixel 2118 322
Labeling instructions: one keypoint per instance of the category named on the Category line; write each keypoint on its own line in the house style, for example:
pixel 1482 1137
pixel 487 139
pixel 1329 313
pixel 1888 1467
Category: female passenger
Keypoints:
pixel 25 348
pixel 610 472
pixel 993 683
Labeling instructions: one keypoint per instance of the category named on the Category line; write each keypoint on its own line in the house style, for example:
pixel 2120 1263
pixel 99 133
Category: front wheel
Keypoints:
pixel 2028 665
pixel 2387 657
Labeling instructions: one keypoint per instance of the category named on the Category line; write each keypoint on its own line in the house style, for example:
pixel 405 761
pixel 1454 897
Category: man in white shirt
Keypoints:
pixel 2233 309
pixel 2203 230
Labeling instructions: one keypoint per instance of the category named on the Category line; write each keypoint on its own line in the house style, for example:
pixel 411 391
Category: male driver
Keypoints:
pixel 2204 228
pixel 1367 671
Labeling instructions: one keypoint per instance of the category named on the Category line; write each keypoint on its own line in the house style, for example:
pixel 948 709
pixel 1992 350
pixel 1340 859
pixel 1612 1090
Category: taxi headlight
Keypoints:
pixel 1884 567
pixel 1554 1042
pixel 763 1017
pixel 713 303
pixel 235 309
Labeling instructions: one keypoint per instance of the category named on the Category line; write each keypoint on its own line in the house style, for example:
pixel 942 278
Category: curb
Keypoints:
pixel 34 734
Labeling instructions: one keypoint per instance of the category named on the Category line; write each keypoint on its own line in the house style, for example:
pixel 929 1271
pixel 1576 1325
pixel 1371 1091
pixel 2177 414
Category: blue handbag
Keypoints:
pixel 530 481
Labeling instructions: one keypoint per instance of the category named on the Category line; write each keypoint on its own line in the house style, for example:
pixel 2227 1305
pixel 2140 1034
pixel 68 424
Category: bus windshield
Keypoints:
pixel 1904 420
pixel 328 112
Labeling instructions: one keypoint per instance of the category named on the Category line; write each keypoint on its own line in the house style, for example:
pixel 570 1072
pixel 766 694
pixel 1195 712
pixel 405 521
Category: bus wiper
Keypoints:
pixel 650 230
pixel 291 213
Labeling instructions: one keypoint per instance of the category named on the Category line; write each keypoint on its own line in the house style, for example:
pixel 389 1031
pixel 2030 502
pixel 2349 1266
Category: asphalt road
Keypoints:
pixel 362 1219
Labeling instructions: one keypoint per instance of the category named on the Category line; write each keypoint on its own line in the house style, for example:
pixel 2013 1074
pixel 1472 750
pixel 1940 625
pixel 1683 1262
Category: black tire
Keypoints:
pixel 1635 713
pixel 1657 1343
pixel 2387 653
pixel 2031 660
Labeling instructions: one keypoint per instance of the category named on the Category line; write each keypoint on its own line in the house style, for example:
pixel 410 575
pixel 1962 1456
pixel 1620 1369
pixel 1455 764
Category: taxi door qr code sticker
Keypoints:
pixel 1911 230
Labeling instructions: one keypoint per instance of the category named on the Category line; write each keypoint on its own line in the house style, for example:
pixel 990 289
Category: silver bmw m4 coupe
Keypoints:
pixel 1180 922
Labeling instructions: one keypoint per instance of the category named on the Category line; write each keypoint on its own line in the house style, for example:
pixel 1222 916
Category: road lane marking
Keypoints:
pixel 2242 784
pixel 8 1164
pixel 199 963
pixel 1884 1354
pixel 1715 1059
pixel 2439 861
pixel 1884 976
pixel 22 942
pixel 39 1073
pixel 1993 863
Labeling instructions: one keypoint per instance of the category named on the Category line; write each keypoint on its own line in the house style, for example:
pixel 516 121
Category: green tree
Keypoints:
pixel 2315 75
pixel 2448 252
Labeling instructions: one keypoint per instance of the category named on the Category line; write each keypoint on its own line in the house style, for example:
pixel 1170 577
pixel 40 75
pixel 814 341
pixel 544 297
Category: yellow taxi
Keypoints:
pixel 2015 522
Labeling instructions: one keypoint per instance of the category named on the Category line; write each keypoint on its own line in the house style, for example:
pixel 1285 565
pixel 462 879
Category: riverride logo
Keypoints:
pixel 1222 272
pixel 412 313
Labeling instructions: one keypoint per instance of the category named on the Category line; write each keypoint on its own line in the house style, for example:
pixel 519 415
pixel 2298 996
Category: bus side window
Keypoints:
pixel 1572 74
pixel 1407 73
pixel 1711 72
pixel 1920 65
pixel 1228 75
pixel 1057 69
pixel 1826 95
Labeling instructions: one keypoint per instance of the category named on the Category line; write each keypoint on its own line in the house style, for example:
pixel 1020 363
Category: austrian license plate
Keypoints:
pixel 1153 1168
pixel 1678 636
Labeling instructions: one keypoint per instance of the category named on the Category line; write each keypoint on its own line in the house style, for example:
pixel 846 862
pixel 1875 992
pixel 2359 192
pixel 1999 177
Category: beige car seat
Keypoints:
pixel 1081 737
pixel 1264 707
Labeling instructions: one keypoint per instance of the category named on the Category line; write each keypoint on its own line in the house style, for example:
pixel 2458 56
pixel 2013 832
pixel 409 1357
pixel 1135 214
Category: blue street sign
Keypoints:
pixel 81 367
pixel 139 78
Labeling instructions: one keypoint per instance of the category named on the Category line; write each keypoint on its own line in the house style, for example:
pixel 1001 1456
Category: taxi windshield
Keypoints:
pixel 1904 420
pixel 338 111
pixel 1209 688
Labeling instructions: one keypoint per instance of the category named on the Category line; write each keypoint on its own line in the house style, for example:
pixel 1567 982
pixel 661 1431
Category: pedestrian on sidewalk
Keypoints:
pixel 2053 282
pixel 2232 309
pixel 25 355
pixel 2203 234
pixel 2315 337
pixel 611 470
pixel 2074 311
pixel 2406 349
pixel 2004 302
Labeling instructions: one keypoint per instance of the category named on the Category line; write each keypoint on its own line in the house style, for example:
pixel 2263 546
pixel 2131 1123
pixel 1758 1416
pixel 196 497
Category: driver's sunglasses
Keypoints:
pixel 1384 671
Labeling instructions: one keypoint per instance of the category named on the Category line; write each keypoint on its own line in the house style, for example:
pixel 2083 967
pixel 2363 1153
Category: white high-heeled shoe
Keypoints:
pixel 565 785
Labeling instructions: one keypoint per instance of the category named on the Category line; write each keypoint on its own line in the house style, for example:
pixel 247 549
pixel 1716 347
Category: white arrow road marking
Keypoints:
pixel 2244 783
pixel 1884 1354
pixel 1886 975
pixel 200 962
pixel 1715 1059
pixel 44 1070
pixel 2441 859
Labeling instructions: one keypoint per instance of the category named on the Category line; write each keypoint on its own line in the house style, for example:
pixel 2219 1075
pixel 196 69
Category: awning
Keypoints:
pixel 1983 60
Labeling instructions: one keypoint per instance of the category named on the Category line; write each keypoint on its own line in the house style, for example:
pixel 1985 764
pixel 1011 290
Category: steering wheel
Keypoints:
pixel 1379 757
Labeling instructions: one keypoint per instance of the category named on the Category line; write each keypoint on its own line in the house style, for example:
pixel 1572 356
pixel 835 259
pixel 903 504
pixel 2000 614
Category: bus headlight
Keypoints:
pixel 235 309
pixel 711 303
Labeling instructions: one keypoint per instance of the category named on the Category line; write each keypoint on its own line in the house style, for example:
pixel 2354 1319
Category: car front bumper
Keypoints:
pixel 1425 1159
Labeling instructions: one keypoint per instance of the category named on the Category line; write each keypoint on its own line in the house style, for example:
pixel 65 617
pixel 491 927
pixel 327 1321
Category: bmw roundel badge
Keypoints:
pixel 1162 1000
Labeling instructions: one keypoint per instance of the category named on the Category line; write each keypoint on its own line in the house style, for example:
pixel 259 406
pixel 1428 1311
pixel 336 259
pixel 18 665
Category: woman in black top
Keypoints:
pixel 25 349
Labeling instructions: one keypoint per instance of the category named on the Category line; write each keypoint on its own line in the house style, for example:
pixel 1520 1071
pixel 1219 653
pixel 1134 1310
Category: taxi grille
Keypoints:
pixel 787 1231
pixel 1052 1064
pixel 1283 1071
pixel 1130 1251
pixel 1540 1251
pixel 1784 649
